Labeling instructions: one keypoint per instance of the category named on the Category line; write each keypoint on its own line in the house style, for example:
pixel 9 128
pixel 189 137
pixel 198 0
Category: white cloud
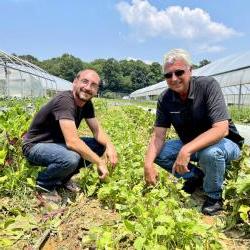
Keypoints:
pixel 135 59
pixel 175 22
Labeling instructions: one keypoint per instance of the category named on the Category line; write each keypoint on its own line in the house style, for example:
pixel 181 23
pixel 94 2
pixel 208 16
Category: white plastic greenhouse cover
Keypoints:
pixel 231 72
pixel 19 71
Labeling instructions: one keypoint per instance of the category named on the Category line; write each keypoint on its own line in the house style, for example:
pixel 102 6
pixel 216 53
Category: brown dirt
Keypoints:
pixel 230 240
pixel 85 214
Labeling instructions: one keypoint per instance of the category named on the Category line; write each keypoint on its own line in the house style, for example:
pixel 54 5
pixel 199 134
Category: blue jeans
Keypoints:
pixel 61 163
pixel 212 160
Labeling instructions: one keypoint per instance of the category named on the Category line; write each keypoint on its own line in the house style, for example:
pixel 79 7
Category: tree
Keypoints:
pixel 112 75
pixel 69 67
pixel 119 76
pixel 66 66
pixel 127 67
pixel 139 75
pixel 29 58
pixel 139 79
pixel 155 75
pixel 97 65
pixel 204 62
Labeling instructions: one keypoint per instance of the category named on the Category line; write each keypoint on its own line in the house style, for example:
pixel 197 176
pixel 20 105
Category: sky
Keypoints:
pixel 124 29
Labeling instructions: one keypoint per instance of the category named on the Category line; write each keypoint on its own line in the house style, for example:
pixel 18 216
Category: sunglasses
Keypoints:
pixel 178 73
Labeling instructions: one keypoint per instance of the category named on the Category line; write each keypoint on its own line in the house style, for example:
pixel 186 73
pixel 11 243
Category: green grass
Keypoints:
pixel 241 115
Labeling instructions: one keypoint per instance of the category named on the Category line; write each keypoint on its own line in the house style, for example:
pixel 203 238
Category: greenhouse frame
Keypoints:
pixel 232 73
pixel 19 78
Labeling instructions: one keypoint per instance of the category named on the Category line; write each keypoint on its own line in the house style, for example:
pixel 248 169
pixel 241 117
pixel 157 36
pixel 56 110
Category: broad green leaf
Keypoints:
pixel 3 178
pixel 129 225
pixel 31 182
pixel 160 230
pixel 139 242
pixel 245 213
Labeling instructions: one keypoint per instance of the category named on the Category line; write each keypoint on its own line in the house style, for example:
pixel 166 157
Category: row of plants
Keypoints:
pixel 237 194
pixel 22 220
pixel 157 217
pixel 240 114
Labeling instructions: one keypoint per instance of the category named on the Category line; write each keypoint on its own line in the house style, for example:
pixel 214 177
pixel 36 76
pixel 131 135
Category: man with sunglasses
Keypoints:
pixel 52 140
pixel 195 107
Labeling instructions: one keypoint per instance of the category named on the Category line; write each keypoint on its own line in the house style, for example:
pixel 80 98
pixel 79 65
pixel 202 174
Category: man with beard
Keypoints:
pixel 196 108
pixel 52 140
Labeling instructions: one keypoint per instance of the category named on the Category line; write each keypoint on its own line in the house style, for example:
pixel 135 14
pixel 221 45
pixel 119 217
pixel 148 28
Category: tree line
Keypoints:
pixel 122 76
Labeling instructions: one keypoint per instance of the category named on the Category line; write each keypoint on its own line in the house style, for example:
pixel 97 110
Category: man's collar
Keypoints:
pixel 175 96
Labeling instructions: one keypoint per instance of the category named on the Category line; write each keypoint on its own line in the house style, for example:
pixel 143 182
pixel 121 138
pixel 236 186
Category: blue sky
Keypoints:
pixel 136 29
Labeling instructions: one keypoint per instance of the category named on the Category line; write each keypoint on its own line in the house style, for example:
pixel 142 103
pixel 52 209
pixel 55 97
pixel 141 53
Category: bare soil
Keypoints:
pixel 85 213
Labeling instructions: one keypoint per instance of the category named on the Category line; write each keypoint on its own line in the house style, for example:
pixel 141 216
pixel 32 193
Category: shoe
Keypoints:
pixel 51 196
pixel 41 188
pixel 71 186
pixel 211 206
pixel 48 194
pixel 192 183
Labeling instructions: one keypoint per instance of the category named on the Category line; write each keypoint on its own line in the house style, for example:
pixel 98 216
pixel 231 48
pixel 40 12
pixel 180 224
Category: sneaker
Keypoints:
pixel 51 196
pixel 48 194
pixel 41 188
pixel 71 186
pixel 211 206
pixel 191 184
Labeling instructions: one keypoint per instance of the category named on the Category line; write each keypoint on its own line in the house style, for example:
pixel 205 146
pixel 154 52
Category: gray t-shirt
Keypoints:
pixel 45 125
pixel 204 106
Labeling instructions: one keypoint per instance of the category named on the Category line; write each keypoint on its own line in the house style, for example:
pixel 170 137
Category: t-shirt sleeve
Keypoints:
pixel 216 106
pixel 88 110
pixel 162 115
pixel 63 108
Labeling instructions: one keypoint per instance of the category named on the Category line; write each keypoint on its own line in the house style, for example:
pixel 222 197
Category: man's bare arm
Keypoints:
pixel 104 139
pixel 218 131
pixel 155 145
pixel 73 142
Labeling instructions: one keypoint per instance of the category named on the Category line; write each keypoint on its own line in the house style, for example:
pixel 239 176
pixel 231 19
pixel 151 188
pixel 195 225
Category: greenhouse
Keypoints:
pixel 232 73
pixel 19 78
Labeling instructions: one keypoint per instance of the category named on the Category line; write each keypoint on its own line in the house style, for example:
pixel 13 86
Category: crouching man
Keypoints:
pixel 52 140
pixel 196 108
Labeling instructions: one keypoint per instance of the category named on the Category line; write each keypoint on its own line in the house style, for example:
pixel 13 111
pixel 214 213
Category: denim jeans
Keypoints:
pixel 61 163
pixel 213 161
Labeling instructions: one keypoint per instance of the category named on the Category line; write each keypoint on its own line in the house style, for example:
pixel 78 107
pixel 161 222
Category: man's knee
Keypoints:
pixel 165 157
pixel 71 160
pixel 210 155
pixel 100 149
pixel 94 145
pixel 164 162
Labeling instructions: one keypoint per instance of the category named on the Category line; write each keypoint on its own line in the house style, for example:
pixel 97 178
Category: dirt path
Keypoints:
pixel 230 240
pixel 85 214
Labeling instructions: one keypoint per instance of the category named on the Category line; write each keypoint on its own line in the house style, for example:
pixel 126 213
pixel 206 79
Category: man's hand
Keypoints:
pixel 102 170
pixel 181 163
pixel 150 175
pixel 111 155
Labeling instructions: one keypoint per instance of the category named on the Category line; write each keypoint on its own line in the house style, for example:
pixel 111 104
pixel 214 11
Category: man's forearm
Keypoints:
pixel 86 153
pixel 102 137
pixel 210 137
pixel 153 150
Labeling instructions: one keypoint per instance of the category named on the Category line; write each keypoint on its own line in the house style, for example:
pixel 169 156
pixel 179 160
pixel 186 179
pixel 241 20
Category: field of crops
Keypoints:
pixel 121 212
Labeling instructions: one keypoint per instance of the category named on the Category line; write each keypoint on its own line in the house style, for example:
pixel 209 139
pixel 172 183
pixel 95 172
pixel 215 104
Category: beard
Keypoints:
pixel 83 95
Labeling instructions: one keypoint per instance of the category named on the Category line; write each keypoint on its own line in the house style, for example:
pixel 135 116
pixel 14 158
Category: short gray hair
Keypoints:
pixel 175 54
